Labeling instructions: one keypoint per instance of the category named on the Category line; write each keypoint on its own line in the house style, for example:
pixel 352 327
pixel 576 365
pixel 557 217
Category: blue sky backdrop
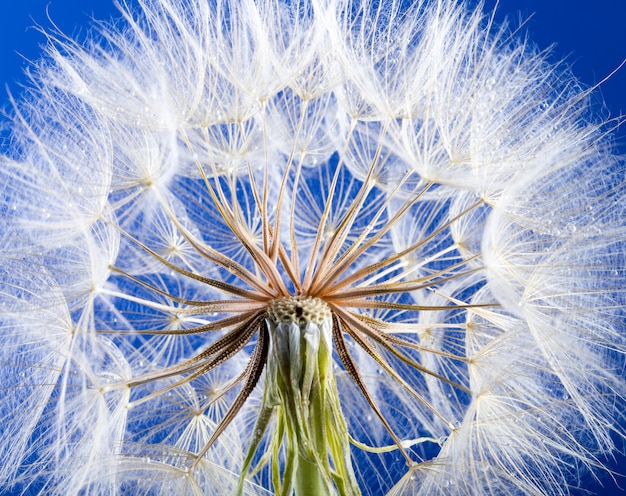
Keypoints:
pixel 589 34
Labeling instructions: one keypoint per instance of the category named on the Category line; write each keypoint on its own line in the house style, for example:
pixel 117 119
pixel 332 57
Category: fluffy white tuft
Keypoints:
pixel 437 182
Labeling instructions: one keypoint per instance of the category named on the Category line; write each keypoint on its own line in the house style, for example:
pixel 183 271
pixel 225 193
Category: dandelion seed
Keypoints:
pixel 323 247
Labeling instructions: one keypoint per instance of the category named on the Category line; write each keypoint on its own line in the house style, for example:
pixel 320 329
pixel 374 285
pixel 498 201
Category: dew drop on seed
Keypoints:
pixel 556 321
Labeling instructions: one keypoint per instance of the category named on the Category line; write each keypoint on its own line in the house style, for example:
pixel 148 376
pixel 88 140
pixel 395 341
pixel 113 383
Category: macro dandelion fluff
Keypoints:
pixel 323 247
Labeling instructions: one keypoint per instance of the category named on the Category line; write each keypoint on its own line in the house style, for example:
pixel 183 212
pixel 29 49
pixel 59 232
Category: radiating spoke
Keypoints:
pixel 252 373
pixel 353 371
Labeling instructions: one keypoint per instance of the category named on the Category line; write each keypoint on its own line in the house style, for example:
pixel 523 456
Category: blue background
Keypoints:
pixel 589 34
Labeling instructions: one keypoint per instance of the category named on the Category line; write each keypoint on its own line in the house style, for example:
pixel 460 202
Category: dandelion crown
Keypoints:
pixel 311 247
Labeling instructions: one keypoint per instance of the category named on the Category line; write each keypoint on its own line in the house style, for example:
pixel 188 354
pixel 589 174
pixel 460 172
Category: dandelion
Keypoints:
pixel 323 247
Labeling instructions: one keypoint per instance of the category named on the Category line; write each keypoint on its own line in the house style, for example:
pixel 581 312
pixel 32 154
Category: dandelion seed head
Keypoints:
pixel 333 246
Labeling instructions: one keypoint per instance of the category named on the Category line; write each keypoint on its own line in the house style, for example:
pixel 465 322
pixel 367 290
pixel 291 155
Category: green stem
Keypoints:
pixel 311 440
pixel 309 480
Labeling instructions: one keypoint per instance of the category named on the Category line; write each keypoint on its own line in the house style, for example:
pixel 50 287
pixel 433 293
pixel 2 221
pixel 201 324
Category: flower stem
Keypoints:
pixel 309 480
pixel 301 391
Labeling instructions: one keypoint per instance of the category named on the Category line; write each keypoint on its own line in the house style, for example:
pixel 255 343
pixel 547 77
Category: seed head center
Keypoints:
pixel 299 309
